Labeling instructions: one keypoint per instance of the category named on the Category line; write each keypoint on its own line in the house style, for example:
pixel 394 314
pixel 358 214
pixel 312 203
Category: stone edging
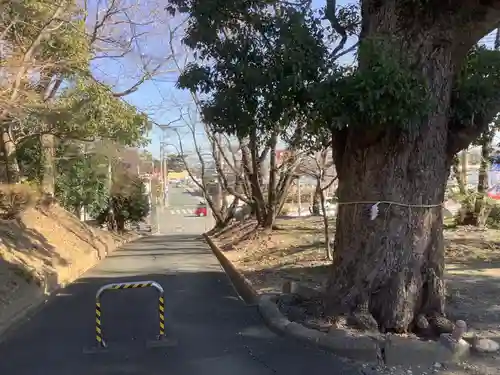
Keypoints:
pixel 389 349
pixel 358 348
pixel 242 285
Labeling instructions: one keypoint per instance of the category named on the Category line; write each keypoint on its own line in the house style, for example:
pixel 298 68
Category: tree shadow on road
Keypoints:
pixel 202 313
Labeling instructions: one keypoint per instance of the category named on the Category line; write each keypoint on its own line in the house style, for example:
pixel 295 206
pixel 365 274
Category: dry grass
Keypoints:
pixel 297 253
pixel 44 249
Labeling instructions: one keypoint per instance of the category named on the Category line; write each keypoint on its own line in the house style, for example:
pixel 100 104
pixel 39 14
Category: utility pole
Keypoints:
pixel 164 169
pixel 162 176
pixel 164 161
pixel 111 217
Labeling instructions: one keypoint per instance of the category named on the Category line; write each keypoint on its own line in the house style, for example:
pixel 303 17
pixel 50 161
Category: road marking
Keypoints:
pixel 181 211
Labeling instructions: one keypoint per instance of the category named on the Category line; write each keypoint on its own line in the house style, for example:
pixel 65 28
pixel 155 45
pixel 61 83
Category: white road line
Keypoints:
pixel 180 211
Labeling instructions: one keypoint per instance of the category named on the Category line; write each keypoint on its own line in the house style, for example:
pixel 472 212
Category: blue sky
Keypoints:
pixel 158 97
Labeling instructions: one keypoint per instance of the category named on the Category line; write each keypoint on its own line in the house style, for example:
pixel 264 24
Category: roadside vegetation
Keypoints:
pixel 66 127
pixel 66 132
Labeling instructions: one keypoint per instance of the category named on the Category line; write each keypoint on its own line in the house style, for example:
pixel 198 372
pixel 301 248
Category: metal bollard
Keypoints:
pixel 132 285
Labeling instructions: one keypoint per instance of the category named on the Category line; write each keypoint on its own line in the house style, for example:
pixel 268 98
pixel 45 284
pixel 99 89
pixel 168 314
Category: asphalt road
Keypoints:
pixel 179 197
pixel 216 333
pixel 178 216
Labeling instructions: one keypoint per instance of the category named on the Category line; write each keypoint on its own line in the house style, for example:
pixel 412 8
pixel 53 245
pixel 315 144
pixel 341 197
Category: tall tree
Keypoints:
pixel 397 119
pixel 43 42
pixel 395 136
pixel 258 86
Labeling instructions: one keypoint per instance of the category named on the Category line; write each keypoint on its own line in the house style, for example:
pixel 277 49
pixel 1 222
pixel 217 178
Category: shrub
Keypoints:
pixel 285 210
pixel 128 203
pixel 293 198
pixel 494 217
pixel 16 198
pixel 467 215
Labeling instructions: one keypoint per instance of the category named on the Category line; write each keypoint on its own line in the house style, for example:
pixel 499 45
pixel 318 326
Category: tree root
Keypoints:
pixel 432 326
pixel 363 320
pixel 429 327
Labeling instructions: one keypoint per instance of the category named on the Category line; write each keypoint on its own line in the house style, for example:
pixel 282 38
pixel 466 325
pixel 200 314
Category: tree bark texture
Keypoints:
pixel 391 268
pixel 455 168
pixel 11 173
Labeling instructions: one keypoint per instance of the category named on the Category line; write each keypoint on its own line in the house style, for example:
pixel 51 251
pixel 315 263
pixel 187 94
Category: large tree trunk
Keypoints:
pixel 392 265
pixel 390 269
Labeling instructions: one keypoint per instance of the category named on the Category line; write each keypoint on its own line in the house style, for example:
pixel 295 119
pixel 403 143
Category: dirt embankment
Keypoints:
pixel 46 249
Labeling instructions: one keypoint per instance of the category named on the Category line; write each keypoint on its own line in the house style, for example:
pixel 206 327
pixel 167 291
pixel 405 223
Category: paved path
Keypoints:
pixel 178 216
pixel 180 197
pixel 217 334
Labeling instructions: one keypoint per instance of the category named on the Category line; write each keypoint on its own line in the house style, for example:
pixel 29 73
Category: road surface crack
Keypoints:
pixel 257 359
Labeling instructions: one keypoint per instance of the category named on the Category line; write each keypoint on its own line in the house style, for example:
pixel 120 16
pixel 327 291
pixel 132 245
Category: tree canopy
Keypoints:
pixel 55 108
pixel 266 62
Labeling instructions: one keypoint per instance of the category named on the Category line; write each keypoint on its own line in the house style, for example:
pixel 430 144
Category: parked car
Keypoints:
pixel 494 192
pixel 201 210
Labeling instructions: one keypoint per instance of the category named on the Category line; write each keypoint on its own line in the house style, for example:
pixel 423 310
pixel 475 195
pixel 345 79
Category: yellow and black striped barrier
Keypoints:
pixel 131 285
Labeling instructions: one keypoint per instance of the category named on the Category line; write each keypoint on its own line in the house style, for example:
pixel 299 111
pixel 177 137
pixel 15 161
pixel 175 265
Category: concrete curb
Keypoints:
pixel 387 350
pixel 241 283
pixel 361 348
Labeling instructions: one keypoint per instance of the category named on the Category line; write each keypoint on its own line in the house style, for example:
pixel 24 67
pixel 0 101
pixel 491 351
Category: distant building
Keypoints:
pixel 172 176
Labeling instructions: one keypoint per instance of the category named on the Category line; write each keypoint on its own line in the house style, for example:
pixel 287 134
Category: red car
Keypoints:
pixel 494 192
pixel 201 210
